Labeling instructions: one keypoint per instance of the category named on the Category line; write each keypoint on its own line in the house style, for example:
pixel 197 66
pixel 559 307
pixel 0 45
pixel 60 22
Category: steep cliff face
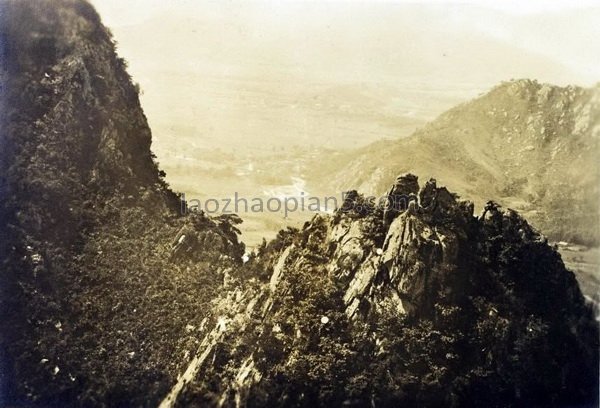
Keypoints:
pixel 436 308
pixel 91 308
pixel 516 144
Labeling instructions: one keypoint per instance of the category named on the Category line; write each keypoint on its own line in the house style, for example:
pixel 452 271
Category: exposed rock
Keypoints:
pixel 399 196
pixel 278 269
pixel 471 280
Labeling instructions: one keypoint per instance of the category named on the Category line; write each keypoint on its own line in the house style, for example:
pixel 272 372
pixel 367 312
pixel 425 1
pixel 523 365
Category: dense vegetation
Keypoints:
pixel 92 311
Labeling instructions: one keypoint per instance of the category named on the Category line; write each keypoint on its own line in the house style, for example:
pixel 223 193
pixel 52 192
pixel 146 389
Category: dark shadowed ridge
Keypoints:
pixel 92 312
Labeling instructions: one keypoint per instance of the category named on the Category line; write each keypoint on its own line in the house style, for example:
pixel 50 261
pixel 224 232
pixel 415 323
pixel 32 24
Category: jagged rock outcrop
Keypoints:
pixel 439 307
pixel 400 197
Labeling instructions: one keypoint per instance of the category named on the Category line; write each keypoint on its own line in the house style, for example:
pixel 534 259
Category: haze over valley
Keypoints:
pixel 245 96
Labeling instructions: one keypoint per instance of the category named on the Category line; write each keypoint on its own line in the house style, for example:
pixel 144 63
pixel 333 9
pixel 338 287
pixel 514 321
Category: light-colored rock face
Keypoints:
pixel 400 268
pixel 278 270
pixel 350 248
pixel 397 274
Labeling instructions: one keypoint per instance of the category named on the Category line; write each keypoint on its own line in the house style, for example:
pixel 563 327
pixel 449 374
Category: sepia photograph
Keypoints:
pixel 299 203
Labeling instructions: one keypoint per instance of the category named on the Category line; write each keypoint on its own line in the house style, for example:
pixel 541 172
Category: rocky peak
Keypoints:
pixel 406 184
pixel 435 265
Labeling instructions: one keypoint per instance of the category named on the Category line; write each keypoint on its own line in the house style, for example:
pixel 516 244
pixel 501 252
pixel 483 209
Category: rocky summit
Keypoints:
pixel 437 308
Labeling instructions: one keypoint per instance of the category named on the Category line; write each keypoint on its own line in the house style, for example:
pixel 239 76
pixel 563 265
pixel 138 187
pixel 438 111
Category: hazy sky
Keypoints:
pixel 342 73
pixel 126 12
pixel 567 32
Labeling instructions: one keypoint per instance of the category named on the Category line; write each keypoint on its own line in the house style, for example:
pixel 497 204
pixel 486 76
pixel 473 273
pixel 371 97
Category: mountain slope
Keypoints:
pixel 92 308
pixel 530 146
pixel 435 308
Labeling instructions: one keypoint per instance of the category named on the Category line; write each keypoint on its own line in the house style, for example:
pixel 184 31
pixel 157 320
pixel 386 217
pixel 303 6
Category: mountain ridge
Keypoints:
pixel 92 305
pixel 515 144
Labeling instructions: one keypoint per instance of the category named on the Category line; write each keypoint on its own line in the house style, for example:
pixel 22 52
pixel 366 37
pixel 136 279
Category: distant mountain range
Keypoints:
pixel 532 147
pixel 335 74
